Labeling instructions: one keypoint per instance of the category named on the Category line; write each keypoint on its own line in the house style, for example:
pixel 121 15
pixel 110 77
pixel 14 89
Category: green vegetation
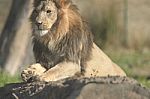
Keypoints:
pixel 144 81
pixel 107 33
pixel 136 64
pixel 6 79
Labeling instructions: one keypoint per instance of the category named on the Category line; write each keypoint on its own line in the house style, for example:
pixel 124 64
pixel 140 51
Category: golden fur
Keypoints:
pixel 63 44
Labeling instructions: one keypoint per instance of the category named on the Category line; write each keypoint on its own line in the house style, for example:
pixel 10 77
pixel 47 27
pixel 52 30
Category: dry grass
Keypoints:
pixel 107 19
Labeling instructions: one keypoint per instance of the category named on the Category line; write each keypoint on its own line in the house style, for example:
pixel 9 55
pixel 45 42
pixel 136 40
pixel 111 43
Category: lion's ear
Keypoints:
pixel 64 3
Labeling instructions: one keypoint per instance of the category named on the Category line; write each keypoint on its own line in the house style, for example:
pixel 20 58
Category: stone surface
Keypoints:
pixel 77 88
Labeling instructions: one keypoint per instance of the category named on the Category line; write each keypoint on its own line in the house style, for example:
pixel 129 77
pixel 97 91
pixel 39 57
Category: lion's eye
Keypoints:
pixel 48 11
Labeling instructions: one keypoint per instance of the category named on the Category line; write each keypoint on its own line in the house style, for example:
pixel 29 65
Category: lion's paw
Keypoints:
pixel 39 78
pixel 42 78
pixel 32 71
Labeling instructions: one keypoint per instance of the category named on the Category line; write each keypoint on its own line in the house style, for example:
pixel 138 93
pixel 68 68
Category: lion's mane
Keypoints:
pixel 69 39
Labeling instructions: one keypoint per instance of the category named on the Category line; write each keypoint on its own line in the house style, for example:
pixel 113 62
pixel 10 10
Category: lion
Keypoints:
pixel 63 45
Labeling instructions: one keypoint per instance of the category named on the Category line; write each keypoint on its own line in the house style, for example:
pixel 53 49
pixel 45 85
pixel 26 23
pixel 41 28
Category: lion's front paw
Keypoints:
pixel 32 71
pixel 45 77
pixel 41 78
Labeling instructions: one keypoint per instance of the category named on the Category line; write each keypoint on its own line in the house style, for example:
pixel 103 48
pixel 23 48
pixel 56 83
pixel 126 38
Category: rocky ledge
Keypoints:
pixel 77 88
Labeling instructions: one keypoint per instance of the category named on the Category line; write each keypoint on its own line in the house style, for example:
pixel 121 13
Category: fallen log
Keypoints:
pixel 77 88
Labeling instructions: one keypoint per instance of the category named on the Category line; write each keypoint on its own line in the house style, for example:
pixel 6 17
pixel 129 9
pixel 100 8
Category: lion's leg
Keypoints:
pixel 60 71
pixel 32 71
pixel 101 65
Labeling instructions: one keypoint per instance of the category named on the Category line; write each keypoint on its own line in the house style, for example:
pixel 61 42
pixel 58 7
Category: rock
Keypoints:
pixel 77 88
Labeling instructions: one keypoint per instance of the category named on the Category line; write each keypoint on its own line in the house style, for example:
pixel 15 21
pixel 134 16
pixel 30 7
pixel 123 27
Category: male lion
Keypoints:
pixel 63 45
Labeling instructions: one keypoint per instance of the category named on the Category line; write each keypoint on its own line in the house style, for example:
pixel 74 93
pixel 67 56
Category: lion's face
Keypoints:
pixel 44 16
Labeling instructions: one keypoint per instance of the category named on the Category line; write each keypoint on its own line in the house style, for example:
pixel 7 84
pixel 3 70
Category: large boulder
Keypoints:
pixel 78 88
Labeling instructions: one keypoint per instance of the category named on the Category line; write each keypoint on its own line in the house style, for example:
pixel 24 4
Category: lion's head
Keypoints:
pixel 45 15
pixel 60 33
pixel 51 16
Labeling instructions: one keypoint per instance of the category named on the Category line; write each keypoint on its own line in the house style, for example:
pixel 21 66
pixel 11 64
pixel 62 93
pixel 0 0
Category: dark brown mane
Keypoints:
pixel 72 40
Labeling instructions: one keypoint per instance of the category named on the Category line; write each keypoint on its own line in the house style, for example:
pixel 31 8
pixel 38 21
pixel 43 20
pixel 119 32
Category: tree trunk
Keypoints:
pixel 15 36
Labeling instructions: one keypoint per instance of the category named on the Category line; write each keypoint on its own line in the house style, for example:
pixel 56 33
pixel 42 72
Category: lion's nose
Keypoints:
pixel 39 23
